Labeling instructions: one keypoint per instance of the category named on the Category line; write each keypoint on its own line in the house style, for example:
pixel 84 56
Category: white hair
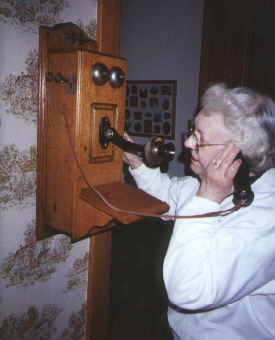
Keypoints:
pixel 250 118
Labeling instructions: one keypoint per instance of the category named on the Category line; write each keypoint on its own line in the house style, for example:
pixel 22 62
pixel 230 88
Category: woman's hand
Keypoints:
pixel 217 181
pixel 130 157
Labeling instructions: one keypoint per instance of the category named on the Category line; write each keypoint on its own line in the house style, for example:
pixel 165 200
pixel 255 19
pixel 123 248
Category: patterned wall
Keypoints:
pixel 43 285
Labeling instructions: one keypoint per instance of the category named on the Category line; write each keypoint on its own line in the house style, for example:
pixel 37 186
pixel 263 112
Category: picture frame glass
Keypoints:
pixel 150 108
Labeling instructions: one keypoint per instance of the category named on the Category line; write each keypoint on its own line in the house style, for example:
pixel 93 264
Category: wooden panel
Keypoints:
pixel 97 173
pixel 90 95
pixel 225 42
pixel 98 111
pixel 64 179
pixel 60 162
pixel 108 26
pixel 108 38
pixel 51 39
pixel 98 286
pixel 115 194
pixel 261 70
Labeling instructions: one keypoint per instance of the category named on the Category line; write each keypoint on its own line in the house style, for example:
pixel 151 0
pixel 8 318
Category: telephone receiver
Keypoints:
pixel 242 184
pixel 155 150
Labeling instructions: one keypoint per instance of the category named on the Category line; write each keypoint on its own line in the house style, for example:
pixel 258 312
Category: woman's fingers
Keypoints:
pixel 131 157
pixel 233 168
pixel 227 155
pixel 217 182
pixel 128 138
pixel 225 162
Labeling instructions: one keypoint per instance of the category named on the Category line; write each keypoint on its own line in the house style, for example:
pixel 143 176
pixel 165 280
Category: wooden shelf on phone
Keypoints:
pixel 124 197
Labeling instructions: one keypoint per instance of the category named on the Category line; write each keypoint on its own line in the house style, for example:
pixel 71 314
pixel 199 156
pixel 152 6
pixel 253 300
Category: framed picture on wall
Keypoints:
pixel 150 108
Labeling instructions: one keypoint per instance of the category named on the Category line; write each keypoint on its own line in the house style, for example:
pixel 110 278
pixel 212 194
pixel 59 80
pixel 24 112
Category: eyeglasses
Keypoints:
pixel 197 143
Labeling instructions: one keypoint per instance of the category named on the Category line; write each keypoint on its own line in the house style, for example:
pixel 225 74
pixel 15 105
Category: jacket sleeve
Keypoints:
pixel 156 184
pixel 217 260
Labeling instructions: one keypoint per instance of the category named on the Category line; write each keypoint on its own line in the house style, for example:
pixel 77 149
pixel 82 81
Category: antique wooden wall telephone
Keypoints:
pixel 90 89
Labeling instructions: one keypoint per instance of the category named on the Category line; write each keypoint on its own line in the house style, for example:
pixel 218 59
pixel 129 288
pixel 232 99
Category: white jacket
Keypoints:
pixel 219 271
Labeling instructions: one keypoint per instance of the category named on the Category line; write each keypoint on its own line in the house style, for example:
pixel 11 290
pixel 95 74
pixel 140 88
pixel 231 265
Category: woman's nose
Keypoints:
pixel 189 143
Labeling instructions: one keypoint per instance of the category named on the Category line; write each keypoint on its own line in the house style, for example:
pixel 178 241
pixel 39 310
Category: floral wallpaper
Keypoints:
pixel 43 284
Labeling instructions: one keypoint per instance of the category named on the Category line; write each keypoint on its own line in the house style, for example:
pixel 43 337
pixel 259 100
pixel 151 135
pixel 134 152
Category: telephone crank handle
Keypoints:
pixel 242 184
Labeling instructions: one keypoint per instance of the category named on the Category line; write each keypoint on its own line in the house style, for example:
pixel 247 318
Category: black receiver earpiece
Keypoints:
pixel 242 183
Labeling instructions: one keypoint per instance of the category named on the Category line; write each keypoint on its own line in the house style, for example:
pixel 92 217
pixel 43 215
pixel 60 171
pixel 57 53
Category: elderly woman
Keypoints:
pixel 219 271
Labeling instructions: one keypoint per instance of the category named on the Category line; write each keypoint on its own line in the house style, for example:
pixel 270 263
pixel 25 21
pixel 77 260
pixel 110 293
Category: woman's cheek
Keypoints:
pixel 197 168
